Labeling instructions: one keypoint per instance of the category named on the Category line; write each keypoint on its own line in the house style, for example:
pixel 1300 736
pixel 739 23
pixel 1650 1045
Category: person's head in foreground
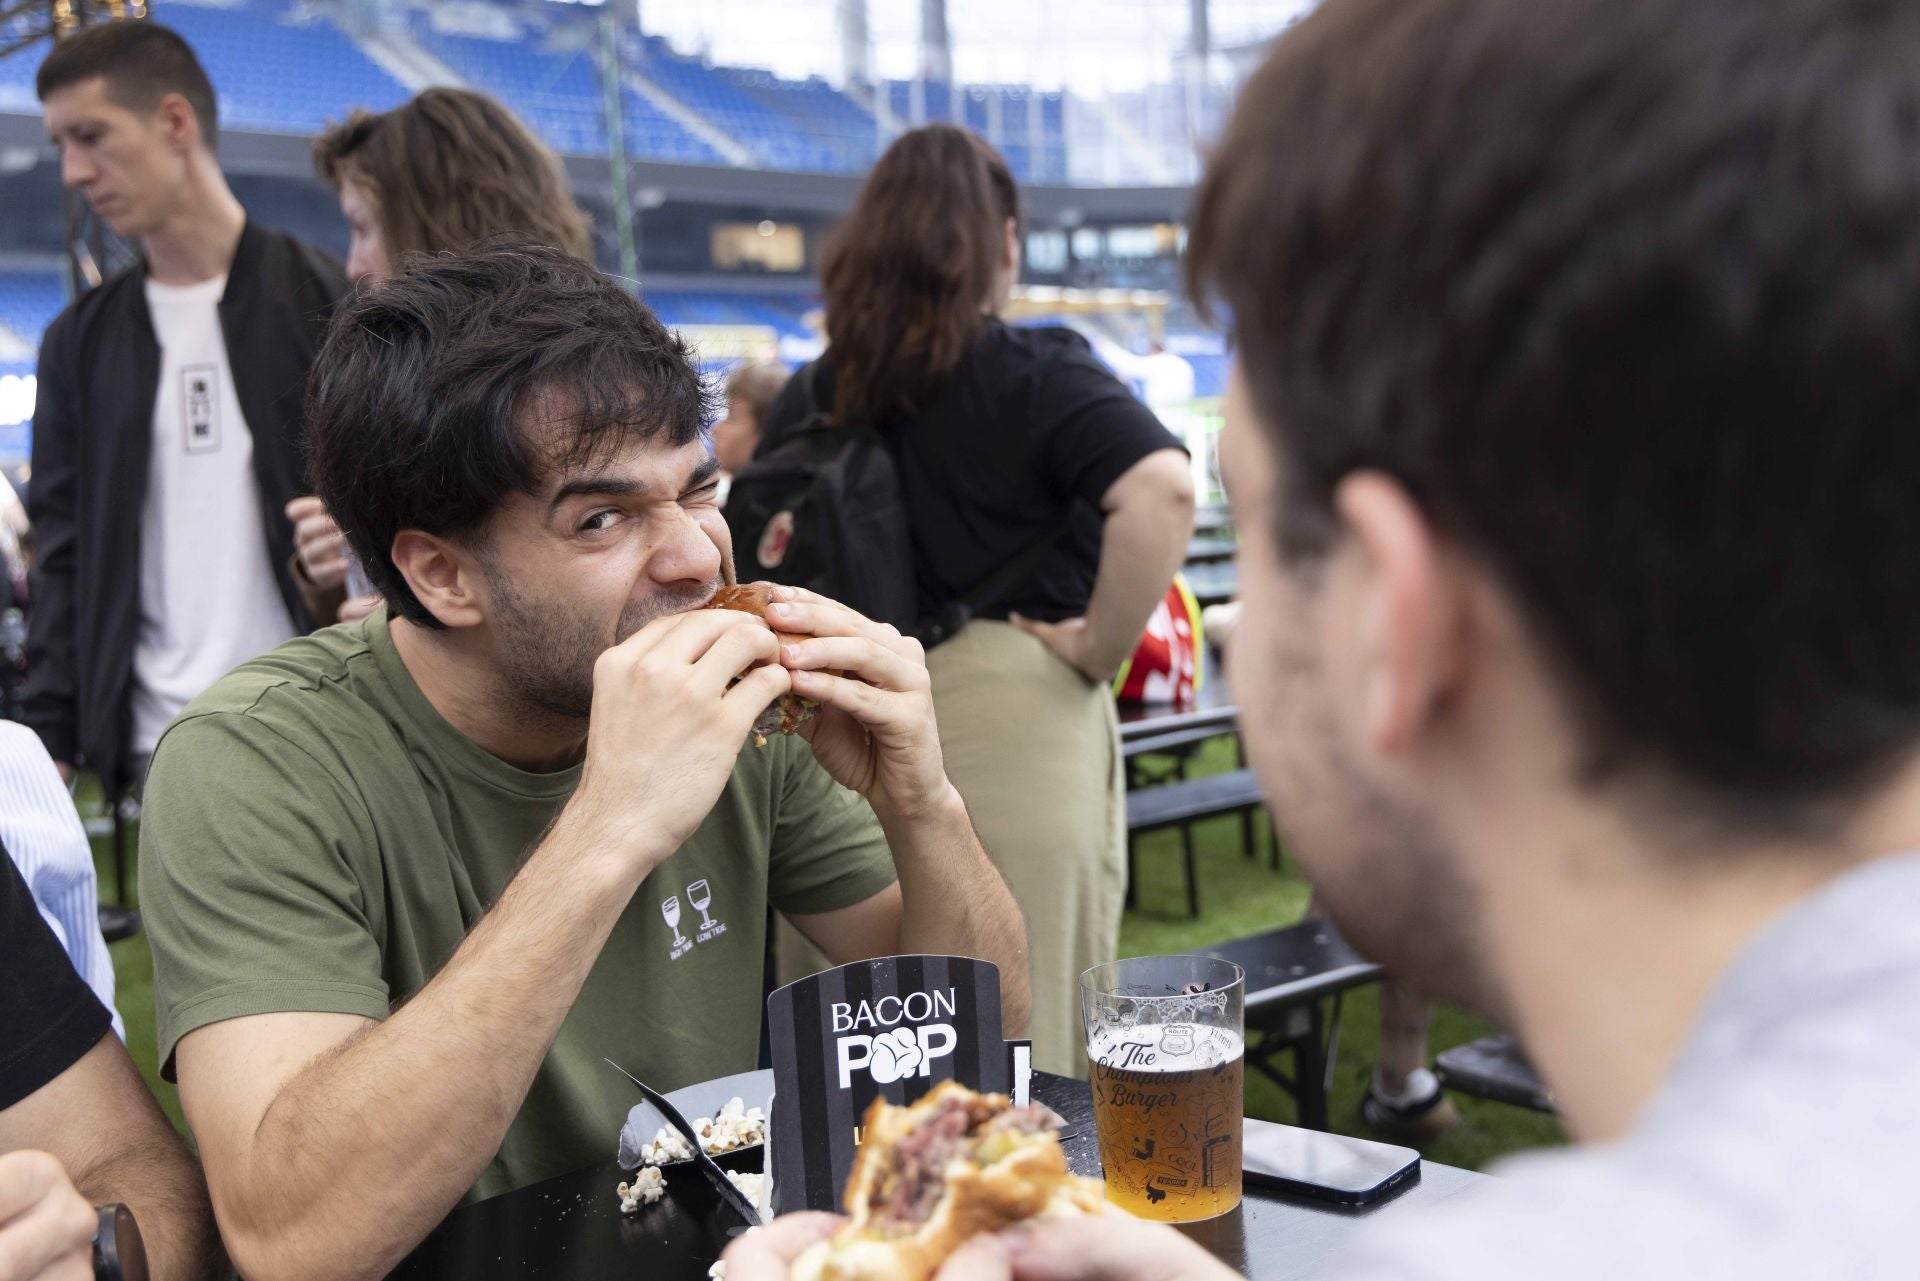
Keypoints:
pixel 750 389
pixel 136 122
pixel 440 173
pixel 1578 350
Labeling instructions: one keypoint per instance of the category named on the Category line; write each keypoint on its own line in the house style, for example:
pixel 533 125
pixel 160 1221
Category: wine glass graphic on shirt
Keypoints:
pixel 699 895
pixel 671 911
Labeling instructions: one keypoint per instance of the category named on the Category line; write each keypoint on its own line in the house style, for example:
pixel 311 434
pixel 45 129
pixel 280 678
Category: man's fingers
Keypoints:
pixel 857 699
pixel 766 1255
pixel 984 1258
pixel 814 615
pixel 1109 1247
pixel 25 1177
pixel 304 506
pixel 43 1221
pixel 1030 627
pixel 869 660
pixel 693 632
pixel 312 529
pixel 730 655
pixel 756 690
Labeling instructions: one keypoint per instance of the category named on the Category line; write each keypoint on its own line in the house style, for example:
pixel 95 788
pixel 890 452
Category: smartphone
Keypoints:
pixel 1326 1167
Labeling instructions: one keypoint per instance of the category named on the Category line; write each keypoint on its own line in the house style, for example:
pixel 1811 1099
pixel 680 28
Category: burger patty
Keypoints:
pixel 916 1172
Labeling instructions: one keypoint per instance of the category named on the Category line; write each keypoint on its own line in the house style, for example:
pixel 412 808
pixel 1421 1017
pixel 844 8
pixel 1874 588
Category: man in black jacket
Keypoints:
pixel 167 431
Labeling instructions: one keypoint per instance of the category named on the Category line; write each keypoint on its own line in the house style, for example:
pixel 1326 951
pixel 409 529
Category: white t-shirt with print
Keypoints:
pixel 208 599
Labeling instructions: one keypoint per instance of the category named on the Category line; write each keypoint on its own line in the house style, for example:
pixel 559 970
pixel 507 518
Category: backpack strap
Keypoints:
pixel 994 588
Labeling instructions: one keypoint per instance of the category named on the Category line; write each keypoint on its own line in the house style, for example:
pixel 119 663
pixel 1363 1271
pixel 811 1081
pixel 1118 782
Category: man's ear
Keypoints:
pixel 443 575
pixel 178 122
pixel 1406 612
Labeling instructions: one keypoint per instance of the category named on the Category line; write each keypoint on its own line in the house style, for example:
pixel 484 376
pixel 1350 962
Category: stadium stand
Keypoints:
pixel 29 300
pixel 557 90
pixel 785 124
pixel 30 297
pixel 1029 127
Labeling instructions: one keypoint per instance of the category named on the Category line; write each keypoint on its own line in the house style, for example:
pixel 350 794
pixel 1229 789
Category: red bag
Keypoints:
pixel 1166 667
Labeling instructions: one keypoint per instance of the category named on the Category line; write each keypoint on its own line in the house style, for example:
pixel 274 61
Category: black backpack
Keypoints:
pixel 822 509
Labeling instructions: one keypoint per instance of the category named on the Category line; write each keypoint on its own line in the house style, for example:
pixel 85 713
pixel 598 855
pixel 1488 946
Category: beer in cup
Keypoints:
pixel 1166 1048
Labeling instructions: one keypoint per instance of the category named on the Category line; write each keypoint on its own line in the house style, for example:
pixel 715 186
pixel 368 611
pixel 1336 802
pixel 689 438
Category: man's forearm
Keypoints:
pixel 369 1146
pixel 1142 545
pixel 954 902
pixel 158 1179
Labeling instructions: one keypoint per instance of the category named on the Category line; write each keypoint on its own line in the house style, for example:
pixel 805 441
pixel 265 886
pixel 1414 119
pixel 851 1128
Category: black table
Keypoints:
pixel 571 1226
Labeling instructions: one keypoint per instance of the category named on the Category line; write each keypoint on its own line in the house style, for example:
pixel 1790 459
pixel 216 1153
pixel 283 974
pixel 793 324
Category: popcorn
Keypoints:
pixel 647 1187
pixel 749 1183
pixel 738 1126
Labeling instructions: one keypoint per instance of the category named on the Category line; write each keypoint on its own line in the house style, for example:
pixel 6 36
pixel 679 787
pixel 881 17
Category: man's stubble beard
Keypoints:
pixel 547 648
pixel 1378 863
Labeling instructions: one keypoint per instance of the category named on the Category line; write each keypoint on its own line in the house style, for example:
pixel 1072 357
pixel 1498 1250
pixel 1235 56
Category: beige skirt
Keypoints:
pixel 1034 748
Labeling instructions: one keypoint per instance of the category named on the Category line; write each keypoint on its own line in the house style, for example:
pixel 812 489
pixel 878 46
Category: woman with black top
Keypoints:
pixel 1010 444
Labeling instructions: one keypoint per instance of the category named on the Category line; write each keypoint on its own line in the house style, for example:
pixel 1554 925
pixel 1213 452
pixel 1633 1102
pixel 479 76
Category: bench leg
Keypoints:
pixel 1193 872
pixel 1133 872
pixel 1310 1071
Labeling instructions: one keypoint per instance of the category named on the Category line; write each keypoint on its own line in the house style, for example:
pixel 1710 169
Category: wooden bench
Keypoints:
pixel 1291 972
pixel 1181 804
pixel 1493 1067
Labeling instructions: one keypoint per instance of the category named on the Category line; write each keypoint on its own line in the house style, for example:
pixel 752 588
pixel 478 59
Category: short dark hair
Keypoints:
pixel 1626 293
pixel 141 62
pixel 418 405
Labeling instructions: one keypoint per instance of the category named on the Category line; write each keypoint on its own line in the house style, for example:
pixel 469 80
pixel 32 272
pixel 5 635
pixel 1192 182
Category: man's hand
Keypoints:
pixel 318 542
pixel 46 1226
pixel 767 1254
pixel 355 608
pixel 1073 642
pixel 1113 1247
pixel 876 732
pixel 668 724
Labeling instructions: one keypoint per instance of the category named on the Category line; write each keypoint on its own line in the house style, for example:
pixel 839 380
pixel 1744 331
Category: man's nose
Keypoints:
pixel 687 553
pixel 75 169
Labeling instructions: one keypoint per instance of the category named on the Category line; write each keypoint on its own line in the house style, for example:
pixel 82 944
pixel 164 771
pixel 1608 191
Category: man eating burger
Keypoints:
pixel 409 880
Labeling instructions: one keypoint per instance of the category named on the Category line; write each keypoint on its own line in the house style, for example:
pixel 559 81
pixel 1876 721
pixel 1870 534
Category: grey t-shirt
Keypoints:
pixel 1786 1144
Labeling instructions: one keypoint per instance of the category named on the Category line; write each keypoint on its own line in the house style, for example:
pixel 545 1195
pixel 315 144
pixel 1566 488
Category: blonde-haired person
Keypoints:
pixel 436 174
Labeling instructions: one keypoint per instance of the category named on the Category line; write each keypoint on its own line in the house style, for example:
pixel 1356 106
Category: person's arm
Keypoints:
pixel 98 1120
pixel 334 1143
pixel 319 559
pixel 49 703
pixel 1149 522
pixel 876 735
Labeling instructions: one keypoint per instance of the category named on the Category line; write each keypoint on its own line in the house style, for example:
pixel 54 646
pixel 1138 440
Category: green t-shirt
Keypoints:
pixel 316 837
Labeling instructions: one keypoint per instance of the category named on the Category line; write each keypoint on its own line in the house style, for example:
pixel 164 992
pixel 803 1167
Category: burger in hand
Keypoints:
pixel 790 711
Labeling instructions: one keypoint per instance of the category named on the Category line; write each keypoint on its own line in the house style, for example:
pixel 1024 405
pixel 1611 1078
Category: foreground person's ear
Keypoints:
pixel 442 575
pixel 1405 613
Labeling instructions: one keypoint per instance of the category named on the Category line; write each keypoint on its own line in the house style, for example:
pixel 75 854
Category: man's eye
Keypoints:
pixel 599 520
pixel 707 493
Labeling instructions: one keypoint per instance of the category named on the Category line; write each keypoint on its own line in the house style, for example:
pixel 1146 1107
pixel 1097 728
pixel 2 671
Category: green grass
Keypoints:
pixel 1238 896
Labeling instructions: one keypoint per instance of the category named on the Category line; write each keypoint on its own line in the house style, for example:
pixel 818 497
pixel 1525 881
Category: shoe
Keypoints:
pixel 1420 1121
pixel 118 922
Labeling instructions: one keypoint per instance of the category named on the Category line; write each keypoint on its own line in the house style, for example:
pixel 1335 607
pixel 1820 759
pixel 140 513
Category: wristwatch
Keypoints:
pixel 118 1252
